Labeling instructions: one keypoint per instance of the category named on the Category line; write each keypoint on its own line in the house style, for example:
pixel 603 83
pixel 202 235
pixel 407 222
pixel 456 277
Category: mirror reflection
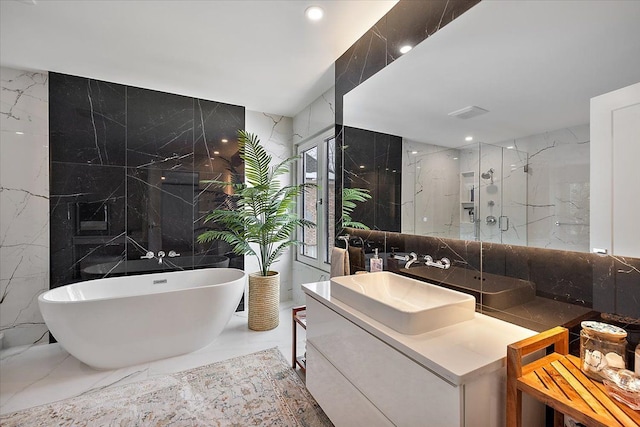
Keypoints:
pixel 493 112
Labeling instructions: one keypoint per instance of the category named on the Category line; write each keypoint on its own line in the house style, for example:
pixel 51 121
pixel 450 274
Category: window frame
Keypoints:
pixel 321 141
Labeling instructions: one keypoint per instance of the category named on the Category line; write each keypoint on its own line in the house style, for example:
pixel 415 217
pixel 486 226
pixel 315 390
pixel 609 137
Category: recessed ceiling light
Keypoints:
pixel 414 152
pixel 361 166
pixel 406 48
pixel 225 140
pixel 212 158
pixel 162 178
pixel 314 13
pixel 216 152
pixel 19 133
pixel 455 158
pixel 510 147
pixel 468 138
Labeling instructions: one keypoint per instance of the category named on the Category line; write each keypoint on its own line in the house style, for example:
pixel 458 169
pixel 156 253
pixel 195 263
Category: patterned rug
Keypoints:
pixel 260 389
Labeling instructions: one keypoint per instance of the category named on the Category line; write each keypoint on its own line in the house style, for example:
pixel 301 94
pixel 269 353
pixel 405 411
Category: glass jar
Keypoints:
pixel 602 346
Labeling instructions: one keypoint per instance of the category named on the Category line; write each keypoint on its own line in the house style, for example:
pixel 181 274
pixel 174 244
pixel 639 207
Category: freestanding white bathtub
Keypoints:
pixel 122 321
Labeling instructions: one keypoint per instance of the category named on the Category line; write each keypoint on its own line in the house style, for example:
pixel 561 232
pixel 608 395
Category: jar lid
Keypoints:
pixel 604 330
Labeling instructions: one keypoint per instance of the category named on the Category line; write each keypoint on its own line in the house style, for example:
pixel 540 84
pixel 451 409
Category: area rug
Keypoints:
pixel 259 389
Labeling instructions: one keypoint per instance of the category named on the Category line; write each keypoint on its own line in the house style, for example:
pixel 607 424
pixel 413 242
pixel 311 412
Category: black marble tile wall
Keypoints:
pixel 129 172
pixel 373 161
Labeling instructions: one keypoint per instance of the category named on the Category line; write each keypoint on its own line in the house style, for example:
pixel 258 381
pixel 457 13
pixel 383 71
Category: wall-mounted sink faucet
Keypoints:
pixel 413 257
pixel 443 263
pixel 161 255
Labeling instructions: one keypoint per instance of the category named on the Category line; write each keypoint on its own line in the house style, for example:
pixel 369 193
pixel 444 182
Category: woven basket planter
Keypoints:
pixel 264 300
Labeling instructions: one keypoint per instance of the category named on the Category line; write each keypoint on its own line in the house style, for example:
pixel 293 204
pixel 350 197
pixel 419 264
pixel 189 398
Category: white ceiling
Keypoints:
pixel 261 54
pixel 533 64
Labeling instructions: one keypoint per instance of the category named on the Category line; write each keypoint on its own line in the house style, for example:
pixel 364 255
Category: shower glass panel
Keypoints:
pixel 503 195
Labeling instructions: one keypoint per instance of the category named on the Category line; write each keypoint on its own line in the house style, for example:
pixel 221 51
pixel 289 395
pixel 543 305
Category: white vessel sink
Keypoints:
pixel 407 305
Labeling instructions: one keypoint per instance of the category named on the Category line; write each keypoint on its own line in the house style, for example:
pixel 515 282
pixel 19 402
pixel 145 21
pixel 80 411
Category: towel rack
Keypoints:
pixel 345 239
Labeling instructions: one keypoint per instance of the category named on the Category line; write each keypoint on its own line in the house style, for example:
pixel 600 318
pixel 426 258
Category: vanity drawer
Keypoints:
pixel 406 392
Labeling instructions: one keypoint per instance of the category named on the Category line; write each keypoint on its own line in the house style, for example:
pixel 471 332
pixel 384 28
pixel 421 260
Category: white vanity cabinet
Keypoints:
pixel 363 374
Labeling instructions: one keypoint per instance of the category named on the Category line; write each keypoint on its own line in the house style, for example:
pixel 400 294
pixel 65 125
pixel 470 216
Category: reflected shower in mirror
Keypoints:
pixel 523 96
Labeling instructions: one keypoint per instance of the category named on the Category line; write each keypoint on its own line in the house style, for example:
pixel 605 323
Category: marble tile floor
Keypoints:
pixel 39 374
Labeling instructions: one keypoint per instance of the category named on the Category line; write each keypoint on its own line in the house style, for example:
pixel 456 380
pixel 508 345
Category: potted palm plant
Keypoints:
pixel 262 224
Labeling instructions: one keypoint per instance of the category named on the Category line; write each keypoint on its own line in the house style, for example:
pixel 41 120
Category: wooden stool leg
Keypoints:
pixel 558 419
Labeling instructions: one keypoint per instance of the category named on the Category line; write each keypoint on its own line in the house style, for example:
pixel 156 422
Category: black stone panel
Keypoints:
pixel 73 247
pixel 160 211
pixel 627 279
pixel 373 161
pixel 87 121
pixel 410 22
pixel 159 130
pixel 216 127
pixel 153 187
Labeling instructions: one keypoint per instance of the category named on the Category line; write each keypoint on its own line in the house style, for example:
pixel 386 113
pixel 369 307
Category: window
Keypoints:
pixel 317 166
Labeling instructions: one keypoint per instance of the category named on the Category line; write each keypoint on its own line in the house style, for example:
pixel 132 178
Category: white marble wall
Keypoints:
pixel 315 117
pixel 24 204
pixel 558 188
pixel 275 133
pixel 430 190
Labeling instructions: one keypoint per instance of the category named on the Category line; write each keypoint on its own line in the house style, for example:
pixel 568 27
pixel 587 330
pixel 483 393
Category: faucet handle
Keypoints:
pixel 161 254
pixel 148 255
pixel 173 254
pixel 446 262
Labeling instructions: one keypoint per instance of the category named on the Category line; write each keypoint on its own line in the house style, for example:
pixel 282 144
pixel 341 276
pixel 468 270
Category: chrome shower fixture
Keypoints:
pixel 488 175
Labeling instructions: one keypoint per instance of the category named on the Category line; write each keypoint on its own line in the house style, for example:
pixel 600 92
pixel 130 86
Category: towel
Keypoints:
pixel 339 262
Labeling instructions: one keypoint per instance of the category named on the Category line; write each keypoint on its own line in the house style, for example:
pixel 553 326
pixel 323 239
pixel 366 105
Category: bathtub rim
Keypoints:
pixel 43 300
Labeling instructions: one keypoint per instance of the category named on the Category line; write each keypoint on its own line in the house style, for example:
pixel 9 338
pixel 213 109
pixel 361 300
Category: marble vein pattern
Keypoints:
pixel 558 188
pixel 318 115
pixel 42 374
pixel 24 204
pixel 144 157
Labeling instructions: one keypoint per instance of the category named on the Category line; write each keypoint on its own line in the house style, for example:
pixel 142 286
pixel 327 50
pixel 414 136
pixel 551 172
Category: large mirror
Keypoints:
pixel 516 77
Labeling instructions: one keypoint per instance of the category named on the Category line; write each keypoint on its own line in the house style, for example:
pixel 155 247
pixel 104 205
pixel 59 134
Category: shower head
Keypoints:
pixel 488 175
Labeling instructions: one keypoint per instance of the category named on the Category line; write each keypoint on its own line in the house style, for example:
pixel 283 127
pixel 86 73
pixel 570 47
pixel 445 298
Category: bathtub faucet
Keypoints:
pixel 148 255
pixel 173 254
pixel 161 255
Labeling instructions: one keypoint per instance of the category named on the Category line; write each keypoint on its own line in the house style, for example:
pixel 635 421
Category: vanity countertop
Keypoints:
pixel 457 353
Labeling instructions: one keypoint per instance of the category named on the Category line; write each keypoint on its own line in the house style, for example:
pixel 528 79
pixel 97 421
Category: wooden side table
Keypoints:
pixel 557 381
pixel 299 316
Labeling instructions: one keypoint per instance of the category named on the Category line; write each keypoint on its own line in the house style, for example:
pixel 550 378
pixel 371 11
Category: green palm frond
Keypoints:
pixel 265 213
pixel 349 198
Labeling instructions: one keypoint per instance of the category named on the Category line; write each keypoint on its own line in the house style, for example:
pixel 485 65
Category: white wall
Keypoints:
pixel 24 204
pixel 558 188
